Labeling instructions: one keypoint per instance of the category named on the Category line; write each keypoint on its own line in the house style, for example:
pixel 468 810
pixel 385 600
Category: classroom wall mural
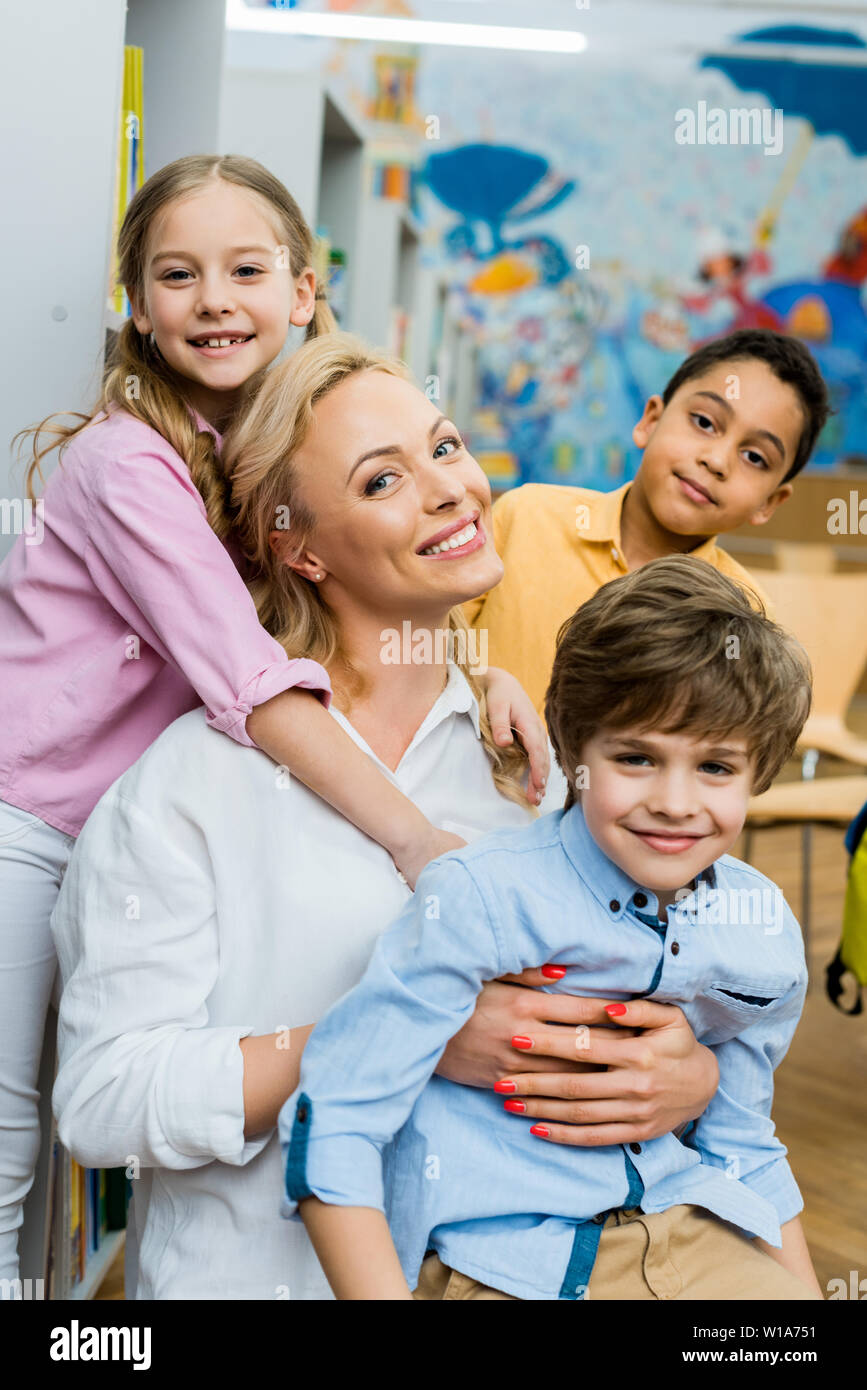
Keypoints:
pixel 597 221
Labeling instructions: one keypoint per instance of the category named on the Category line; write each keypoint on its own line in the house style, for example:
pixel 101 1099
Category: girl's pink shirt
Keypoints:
pixel 128 612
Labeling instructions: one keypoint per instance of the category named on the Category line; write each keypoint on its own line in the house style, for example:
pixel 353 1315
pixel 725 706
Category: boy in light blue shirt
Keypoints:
pixel 670 703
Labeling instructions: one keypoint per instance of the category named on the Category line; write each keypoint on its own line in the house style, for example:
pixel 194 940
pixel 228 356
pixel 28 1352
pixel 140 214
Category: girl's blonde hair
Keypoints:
pixel 258 455
pixel 158 399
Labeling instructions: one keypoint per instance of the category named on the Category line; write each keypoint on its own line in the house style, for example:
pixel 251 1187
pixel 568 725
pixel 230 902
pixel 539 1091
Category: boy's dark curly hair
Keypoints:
pixel 787 358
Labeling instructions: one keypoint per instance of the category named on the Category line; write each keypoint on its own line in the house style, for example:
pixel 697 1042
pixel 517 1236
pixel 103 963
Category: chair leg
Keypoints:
pixel 809 763
pixel 806 849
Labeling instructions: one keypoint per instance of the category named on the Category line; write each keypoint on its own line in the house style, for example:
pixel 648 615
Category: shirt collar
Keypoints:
pixel 603 523
pixel 613 889
pixel 603 520
pixel 203 424
pixel 457 697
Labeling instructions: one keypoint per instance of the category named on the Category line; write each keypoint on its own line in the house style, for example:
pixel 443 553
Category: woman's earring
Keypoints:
pixel 320 575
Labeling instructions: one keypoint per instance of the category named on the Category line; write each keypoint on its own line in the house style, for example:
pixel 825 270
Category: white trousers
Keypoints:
pixel 33 858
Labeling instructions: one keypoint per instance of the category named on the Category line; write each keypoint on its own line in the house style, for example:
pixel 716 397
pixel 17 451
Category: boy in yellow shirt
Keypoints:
pixel 737 421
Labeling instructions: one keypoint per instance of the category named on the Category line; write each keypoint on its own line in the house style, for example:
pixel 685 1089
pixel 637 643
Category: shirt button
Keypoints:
pixel 636 1148
pixel 614 905
pixel 641 900
pixel 675 948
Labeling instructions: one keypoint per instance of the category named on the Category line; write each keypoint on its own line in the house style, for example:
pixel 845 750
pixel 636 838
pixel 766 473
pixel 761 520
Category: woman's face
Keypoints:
pixel 387 478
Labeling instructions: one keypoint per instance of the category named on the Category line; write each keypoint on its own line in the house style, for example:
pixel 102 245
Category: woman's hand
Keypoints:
pixel 510 707
pixel 588 1082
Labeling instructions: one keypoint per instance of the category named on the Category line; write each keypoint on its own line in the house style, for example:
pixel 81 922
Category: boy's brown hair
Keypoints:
pixel 676 646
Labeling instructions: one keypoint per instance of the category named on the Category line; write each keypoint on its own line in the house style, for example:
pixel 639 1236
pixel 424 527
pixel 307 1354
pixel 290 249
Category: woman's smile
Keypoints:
pixel 463 537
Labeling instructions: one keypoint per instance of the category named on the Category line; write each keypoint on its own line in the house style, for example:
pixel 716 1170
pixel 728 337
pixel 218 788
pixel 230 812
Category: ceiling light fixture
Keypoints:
pixel 309 24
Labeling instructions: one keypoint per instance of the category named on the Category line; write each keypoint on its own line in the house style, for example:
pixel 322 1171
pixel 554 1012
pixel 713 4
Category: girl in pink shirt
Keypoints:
pixel 127 607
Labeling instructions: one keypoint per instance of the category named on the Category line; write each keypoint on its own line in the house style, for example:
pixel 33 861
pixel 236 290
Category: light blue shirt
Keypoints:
pixel 371 1126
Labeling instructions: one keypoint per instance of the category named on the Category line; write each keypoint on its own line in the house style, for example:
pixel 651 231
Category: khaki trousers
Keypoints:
pixel 683 1253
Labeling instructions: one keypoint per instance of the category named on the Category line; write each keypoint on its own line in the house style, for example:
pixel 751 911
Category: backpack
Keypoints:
pixel 852 952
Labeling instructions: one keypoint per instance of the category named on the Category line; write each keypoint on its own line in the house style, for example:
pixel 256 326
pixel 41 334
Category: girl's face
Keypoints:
pixel 387 478
pixel 215 271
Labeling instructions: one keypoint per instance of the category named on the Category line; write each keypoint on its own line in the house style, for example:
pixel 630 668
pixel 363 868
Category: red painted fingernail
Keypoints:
pixel 522 1042
pixel 553 972
pixel 517 1107
pixel 506 1088
pixel 615 1010
pixel 542 1130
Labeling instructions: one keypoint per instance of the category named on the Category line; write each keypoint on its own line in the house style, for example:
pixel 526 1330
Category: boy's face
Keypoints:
pixel 716 455
pixel 664 806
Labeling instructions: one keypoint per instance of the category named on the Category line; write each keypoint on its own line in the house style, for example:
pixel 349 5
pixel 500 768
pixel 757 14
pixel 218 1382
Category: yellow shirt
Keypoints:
pixel 559 545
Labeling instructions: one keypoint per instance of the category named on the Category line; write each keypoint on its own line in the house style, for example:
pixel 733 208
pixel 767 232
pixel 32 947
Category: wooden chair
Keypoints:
pixel 804 557
pixel 828 615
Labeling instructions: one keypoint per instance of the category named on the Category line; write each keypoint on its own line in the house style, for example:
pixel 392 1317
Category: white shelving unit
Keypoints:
pixel 98 1266
pixel 454 355
pixel 61 68
pixel 262 112
pixel 183 42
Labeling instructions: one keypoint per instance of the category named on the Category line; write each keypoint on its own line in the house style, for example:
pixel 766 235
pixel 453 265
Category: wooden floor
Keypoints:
pixel 821 1086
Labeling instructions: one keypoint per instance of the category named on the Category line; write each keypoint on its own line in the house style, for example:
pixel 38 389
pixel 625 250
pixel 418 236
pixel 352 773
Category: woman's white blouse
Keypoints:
pixel 212 896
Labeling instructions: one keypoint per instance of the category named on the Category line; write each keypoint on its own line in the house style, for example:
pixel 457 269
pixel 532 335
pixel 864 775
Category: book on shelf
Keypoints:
pixel 85 1207
pixel 129 169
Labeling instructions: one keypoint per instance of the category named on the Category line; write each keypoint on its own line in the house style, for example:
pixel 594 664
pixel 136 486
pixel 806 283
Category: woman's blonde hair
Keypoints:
pixel 158 398
pixel 258 455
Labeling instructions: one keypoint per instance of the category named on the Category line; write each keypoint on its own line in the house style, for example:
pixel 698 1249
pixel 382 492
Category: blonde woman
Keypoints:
pixel 215 907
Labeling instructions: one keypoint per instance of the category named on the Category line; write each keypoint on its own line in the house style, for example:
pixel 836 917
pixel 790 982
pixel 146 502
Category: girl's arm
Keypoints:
pixel 295 731
pixel 298 733
pixel 794 1255
pixel 355 1250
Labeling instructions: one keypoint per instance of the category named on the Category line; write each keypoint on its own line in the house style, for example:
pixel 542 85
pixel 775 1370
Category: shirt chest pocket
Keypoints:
pixel 749 998
pixel 725 1008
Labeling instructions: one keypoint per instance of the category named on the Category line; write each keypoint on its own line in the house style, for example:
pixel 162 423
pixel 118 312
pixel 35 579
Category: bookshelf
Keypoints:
pixel 71 1231
pixel 98 1266
pixel 60 186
